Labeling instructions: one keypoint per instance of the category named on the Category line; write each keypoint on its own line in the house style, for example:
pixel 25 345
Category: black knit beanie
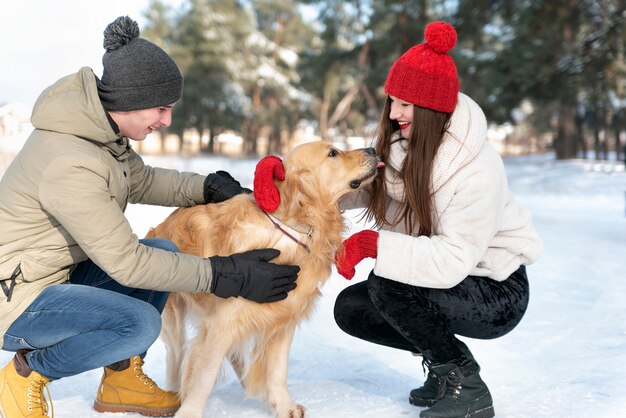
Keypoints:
pixel 137 73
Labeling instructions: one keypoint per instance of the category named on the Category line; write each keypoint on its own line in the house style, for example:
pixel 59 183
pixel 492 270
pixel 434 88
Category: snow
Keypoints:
pixel 565 359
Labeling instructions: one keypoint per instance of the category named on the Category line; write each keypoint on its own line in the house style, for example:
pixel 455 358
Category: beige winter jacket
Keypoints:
pixel 480 229
pixel 62 201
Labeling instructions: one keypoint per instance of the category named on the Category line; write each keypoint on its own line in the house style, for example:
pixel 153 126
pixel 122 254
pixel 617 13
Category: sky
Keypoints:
pixel 42 41
pixel 566 359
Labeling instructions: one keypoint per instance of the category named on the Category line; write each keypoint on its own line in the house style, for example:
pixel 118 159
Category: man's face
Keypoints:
pixel 137 124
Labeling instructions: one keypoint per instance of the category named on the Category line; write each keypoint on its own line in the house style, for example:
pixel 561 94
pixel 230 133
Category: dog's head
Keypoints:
pixel 317 173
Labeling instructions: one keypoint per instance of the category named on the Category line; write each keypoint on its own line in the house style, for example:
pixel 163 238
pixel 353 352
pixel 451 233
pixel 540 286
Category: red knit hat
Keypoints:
pixel 426 75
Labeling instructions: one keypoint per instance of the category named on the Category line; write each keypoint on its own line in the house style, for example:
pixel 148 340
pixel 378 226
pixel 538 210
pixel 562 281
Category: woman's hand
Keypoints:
pixel 359 246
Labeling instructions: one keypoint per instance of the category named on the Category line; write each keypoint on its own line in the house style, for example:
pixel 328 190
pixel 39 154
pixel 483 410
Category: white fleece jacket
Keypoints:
pixel 480 229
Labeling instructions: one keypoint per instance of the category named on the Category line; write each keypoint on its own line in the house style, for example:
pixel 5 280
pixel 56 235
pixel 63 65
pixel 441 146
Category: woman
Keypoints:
pixel 453 244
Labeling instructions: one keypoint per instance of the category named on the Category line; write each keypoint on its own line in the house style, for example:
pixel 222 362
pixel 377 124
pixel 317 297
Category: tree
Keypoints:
pixel 335 64
pixel 270 79
pixel 213 101
pixel 560 63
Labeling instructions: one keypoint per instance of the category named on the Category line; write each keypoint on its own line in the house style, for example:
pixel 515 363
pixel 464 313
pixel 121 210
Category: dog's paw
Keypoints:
pixel 290 411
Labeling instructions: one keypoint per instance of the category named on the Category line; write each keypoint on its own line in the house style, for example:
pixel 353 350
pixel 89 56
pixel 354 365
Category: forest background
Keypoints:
pixel 553 72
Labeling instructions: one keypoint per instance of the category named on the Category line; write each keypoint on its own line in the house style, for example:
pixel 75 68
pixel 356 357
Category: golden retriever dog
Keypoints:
pixel 256 338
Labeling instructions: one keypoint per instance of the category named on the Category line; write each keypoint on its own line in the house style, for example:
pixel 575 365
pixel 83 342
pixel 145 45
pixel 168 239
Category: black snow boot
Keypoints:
pixel 463 393
pixel 427 394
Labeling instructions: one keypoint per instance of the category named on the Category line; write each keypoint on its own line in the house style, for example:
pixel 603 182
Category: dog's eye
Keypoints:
pixel 332 153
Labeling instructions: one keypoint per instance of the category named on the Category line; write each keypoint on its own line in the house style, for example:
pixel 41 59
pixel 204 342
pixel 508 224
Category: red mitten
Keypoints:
pixel 357 247
pixel 265 191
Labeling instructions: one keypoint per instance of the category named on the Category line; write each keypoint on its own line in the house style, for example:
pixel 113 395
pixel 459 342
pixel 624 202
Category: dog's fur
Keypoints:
pixel 256 338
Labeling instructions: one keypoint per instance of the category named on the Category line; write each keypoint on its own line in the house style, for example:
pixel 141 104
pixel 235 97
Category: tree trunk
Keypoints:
pixel 343 107
pixel 580 131
pixel 274 140
pixel 203 147
pixel 325 108
pixel 565 144
pixel 210 149
pixel 250 137
pixel 597 121
pixel 618 129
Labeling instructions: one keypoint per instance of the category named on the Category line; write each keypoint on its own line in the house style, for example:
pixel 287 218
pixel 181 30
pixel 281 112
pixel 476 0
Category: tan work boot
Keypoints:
pixel 125 388
pixel 21 390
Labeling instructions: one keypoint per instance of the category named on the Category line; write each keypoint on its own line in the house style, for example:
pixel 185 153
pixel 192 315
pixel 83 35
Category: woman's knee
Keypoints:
pixel 395 299
pixel 380 289
pixel 348 306
pixel 384 292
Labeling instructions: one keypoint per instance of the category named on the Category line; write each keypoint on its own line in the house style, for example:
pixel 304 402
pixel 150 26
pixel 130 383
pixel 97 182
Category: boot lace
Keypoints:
pixel 426 366
pixel 36 398
pixel 449 384
pixel 139 374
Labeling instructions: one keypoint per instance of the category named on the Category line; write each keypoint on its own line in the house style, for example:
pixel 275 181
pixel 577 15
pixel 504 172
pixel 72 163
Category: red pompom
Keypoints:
pixel 440 36
pixel 265 192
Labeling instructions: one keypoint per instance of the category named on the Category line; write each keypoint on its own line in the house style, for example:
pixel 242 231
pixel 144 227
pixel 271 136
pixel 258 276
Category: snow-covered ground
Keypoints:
pixel 567 358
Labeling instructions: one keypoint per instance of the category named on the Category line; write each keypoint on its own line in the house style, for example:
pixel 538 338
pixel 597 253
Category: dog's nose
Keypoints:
pixel 370 151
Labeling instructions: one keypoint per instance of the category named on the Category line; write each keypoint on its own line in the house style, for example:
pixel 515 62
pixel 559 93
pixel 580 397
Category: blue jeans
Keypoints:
pixel 89 322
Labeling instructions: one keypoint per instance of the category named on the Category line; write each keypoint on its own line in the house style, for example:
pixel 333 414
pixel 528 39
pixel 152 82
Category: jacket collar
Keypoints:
pixel 72 106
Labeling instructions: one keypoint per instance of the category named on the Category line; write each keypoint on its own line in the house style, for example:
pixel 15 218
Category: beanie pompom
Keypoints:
pixel 440 36
pixel 119 33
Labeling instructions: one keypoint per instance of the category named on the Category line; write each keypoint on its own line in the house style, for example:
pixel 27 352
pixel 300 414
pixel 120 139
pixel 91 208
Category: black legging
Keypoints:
pixel 425 320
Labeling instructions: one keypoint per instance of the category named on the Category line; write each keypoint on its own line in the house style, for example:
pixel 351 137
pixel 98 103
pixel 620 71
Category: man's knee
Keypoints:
pixel 142 323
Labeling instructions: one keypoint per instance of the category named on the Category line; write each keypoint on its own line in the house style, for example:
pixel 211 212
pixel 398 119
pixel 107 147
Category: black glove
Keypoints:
pixel 251 276
pixel 220 186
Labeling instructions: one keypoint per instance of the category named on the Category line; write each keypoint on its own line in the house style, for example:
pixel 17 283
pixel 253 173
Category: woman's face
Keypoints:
pixel 402 112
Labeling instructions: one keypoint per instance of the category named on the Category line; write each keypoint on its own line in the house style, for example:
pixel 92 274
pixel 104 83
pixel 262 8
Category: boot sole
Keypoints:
pixel 151 412
pixel 482 413
pixel 479 413
pixel 422 402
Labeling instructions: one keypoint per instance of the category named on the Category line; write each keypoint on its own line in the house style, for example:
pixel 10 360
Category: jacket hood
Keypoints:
pixel 72 106
pixel 463 140
pixel 461 143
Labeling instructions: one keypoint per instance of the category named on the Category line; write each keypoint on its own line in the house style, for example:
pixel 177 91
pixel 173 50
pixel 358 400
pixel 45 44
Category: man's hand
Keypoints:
pixel 221 186
pixel 249 275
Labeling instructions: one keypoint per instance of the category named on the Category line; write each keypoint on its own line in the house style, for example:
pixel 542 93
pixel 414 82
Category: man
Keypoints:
pixel 79 290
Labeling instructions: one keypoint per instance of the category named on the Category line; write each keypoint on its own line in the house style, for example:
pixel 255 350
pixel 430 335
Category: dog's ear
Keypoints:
pixel 301 191
pixel 265 192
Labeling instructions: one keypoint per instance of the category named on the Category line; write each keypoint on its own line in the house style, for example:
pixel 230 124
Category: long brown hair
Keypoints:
pixel 427 131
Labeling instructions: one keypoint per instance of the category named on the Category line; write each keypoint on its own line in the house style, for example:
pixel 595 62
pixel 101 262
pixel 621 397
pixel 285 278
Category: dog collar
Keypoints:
pixel 289 231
